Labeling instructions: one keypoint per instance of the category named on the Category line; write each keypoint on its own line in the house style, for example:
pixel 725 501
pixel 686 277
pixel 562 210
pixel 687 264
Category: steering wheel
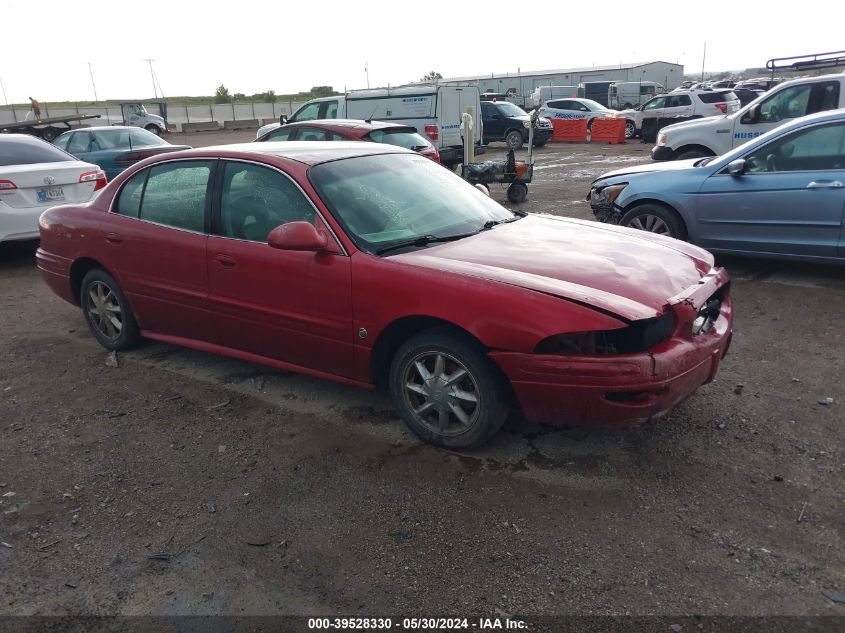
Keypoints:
pixel 245 207
pixel 772 163
pixel 774 114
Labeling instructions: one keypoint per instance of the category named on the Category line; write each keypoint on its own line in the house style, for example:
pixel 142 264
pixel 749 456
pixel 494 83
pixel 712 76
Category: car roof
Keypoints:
pixel 306 152
pixel 100 128
pixel 23 137
pixel 348 124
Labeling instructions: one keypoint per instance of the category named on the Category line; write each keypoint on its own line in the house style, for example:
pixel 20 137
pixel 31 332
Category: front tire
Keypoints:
pixel 514 140
pixel 630 129
pixel 447 391
pixel 107 312
pixel 154 129
pixel 655 218
pixel 693 153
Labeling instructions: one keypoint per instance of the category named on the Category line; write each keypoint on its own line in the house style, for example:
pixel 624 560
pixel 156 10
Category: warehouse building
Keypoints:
pixel 524 83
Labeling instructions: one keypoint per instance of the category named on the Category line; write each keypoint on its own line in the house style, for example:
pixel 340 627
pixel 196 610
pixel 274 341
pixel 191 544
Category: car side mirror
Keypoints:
pixel 736 167
pixel 753 114
pixel 297 236
pixel 283 119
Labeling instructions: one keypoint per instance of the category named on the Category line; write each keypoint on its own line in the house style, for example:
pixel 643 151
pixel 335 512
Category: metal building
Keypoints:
pixel 524 83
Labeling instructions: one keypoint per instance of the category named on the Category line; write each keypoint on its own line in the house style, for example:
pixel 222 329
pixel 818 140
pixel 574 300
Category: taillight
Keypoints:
pixel 97 177
pixel 7 185
pixel 432 131
pixel 723 107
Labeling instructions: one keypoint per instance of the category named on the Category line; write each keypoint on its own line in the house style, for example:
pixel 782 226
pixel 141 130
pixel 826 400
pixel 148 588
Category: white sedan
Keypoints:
pixel 575 108
pixel 35 176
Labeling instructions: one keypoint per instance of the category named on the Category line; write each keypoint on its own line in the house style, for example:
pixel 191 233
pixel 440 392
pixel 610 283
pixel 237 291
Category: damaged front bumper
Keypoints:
pixel 627 389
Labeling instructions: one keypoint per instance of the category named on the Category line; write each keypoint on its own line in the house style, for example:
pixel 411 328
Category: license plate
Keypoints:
pixel 53 194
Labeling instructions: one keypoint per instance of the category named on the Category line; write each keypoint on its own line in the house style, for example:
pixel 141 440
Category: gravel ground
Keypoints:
pixel 183 483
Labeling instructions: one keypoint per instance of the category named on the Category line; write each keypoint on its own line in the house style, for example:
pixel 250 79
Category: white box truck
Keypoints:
pixel 435 111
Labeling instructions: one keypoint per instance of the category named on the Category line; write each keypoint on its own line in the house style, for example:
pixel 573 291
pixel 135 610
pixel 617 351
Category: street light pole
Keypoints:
pixel 367 70
pixel 4 92
pixel 93 85
pixel 152 75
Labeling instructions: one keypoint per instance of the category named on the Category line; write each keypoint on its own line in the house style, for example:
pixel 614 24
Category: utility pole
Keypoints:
pixel 4 92
pixel 703 57
pixel 152 75
pixel 93 85
pixel 367 70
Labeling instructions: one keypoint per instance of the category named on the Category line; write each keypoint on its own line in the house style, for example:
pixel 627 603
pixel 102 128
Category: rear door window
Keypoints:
pixel 312 134
pixel 410 139
pixel 175 194
pixel 279 134
pixel 717 97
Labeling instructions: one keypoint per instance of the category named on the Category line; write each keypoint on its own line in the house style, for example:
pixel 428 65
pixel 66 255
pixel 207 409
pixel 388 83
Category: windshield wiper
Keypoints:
pixel 489 224
pixel 422 240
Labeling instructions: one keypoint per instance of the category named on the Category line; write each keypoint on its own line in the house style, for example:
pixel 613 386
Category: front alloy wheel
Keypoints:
pixel 447 390
pixel 655 218
pixel 441 393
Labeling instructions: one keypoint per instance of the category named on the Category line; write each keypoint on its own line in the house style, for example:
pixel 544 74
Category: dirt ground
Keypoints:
pixel 184 483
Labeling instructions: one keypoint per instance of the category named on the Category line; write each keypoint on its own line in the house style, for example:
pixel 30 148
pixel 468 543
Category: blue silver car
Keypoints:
pixel 114 148
pixel 779 195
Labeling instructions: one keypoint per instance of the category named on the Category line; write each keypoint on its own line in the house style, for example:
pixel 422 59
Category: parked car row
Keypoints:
pixel 779 195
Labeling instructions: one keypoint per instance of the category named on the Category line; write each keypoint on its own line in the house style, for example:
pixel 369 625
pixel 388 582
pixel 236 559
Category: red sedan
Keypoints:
pixel 352 130
pixel 370 265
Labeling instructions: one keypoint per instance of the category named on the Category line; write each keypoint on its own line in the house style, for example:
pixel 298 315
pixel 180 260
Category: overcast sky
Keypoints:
pixel 286 46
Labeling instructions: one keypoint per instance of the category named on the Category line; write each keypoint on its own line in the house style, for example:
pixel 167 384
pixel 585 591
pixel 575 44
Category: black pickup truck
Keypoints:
pixel 504 121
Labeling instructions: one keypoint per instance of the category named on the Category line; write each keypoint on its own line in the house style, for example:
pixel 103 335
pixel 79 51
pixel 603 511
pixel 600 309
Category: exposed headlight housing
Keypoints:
pixel 639 336
pixel 661 138
pixel 707 316
pixel 605 196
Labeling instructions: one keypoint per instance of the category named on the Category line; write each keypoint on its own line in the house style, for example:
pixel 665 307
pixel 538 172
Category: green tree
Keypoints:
pixel 432 76
pixel 322 91
pixel 269 96
pixel 221 95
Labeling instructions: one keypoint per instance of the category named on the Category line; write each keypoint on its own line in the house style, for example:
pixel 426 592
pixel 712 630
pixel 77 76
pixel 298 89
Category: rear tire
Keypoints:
pixel 655 218
pixel 107 312
pixel 49 134
pixel 448 392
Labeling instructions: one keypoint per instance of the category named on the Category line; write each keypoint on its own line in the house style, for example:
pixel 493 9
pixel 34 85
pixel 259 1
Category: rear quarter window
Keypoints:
pixel 29 151
pixel 403 138
pixel 717 97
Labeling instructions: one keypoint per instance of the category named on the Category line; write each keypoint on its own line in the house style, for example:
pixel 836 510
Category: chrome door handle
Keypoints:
pixel 825 184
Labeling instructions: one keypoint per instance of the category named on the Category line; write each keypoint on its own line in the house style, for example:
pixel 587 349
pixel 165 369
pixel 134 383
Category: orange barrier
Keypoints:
pixel 608 131
pixel 570 130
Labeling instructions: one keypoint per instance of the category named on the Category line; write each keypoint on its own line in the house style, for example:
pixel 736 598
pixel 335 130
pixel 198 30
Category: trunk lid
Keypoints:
pixel 46 184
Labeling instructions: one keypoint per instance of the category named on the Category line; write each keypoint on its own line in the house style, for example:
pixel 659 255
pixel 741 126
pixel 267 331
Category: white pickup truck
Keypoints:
pixel 435 111
pixel 713 136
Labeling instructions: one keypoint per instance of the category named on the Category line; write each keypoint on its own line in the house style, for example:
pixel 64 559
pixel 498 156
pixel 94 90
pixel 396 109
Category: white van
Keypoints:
pixel 542 94
pixel 713 136
pixel 435 111
pixel 623 95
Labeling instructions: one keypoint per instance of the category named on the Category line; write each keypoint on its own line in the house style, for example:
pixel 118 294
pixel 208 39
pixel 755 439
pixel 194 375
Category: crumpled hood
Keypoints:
pixel 630 273
pixel 669 165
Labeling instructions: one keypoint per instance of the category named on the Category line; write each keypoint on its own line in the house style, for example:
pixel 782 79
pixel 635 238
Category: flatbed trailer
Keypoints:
pixel 48 128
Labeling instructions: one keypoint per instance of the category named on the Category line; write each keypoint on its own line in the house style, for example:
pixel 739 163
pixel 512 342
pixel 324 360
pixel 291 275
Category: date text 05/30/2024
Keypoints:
pixel 415 624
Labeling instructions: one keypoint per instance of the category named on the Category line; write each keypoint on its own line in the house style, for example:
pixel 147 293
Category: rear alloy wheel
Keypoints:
pixel 49 134
pixel 654 219
pixel 107 312
pixel 630 129
pixel 447 391
pixel 514 139
pixel 154 129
